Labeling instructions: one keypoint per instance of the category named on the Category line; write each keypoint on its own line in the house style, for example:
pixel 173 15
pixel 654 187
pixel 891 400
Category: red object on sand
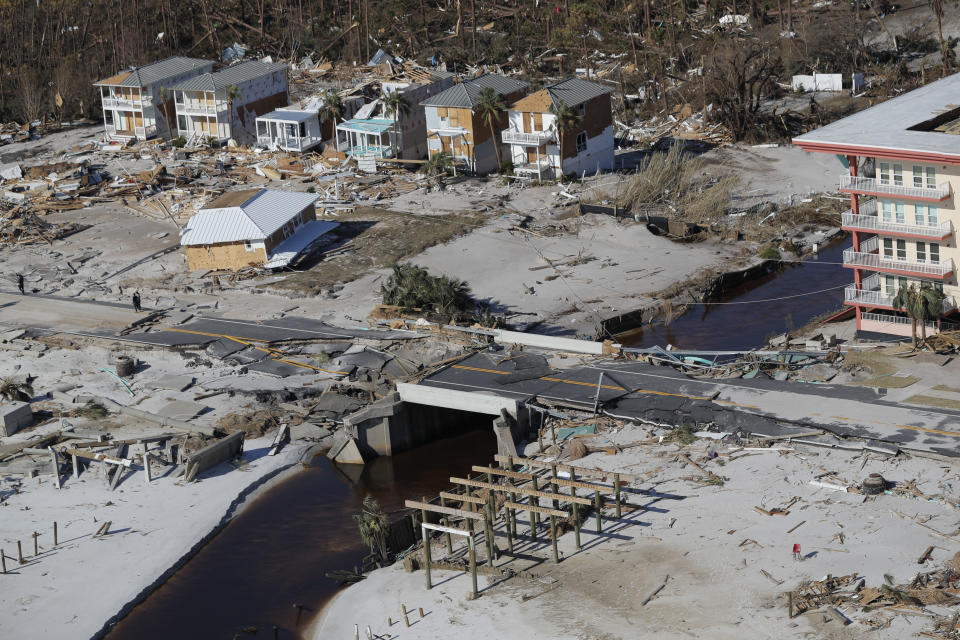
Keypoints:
pixel 796 548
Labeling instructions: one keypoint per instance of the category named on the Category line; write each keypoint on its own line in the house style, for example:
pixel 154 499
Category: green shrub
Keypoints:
pixel 179 142
pixel 411 287
pixel 770 252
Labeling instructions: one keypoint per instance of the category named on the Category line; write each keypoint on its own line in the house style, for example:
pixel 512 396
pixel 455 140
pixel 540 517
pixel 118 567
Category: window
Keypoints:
pixel 898 175
pixel 104 92
pixel 248 245
pixel 932 215
pixel 890 285
pixel 581 109
pixel 303 129
pixel 919 215
pixel 108 117
pixel 178 97
pixel 289 130
pixel 918 176
pixel 883 175
pixel 581 142
pixel 934 253
pixel 887 247
pixel 182 123
pixel 901 249
pixel 887 208
pixel 931 177
pixel 921 252
pixel 901 218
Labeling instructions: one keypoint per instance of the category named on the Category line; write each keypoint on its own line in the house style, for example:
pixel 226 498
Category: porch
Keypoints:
pixel 289 130
pixel 370 136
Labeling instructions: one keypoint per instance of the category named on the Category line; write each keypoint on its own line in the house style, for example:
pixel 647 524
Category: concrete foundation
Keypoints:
pixel 15 416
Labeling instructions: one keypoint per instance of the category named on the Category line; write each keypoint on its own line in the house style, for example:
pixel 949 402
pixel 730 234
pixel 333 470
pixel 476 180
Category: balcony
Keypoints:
pixel 866 258
pixel 872 186
pixel 197 108
pixel 535 139
pixel 121 103
pixel 868 220
pixel 872 294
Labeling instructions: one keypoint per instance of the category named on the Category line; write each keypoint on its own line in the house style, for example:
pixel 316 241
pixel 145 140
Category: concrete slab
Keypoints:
pixel 173 382
pixel 350 453
pixel 15 416
pixel 182 410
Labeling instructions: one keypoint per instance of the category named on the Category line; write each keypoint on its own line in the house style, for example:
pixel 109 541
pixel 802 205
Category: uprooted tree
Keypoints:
pixel 412 288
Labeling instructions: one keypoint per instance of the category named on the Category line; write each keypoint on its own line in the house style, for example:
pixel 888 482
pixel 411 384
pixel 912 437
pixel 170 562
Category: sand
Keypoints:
pixel 708 539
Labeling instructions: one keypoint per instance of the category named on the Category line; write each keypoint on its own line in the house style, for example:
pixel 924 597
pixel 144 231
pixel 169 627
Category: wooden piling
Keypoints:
pixel 473 564
pixel 76 466
pixel 420 610
pixel 54 533
pixel 536 502
pixel 576 524
pixel 36 547
pixel 553 538
pixel 20 553
pixel 556 503
pixel 56 467
pixel 616 491
pixel 3 561
pixel 406 619
pixel 596 506
pixel 146 467
pixel 488 530
pixel 553 430
pixel 426 552
pixel 540 439
pixel 446 523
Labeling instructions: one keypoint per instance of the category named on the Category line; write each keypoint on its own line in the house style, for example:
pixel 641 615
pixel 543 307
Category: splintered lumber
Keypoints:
pixel 580 471
pixel 503 472
pixel 544 511
pixel 99 457
pixel 926 555
pixel 657 590
pixel 117 443
pixel 549 495
pixel 450 511
pixel 461 497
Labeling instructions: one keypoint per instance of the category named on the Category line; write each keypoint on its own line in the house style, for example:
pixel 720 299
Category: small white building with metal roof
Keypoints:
pixel 289 129
pixel 253 227
pixel 225 104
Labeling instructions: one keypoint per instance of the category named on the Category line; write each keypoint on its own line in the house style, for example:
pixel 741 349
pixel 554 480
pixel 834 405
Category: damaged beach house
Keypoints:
pixel 266 228
pixel 138 103
pixel 535 137
pixel 290 129
pixel 393 116
pixel 903 157
pixel 224 105
pixel 457 121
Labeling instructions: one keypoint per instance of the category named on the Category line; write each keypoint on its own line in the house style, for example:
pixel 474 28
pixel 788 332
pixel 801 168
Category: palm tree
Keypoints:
pixel 396 105
pixel 566 120
pixel 437 165
pixel 921 304
pixel 333 109
pixel 490 105
pixel 233 93
pixel 374 527
pixel 13 390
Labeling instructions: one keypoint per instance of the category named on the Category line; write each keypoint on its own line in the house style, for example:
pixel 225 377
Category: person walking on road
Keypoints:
pixel 20 282
pixel 136 301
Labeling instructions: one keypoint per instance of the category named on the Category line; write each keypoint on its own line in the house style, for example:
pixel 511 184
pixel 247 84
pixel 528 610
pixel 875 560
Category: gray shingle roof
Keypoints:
pixel 162 69
pixel 464 95
pixel 235 74
pixel 574 91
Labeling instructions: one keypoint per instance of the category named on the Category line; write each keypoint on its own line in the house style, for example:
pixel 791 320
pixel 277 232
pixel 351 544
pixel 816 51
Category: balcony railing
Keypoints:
pixel 194 108
pixel 288 144
pixel 864 259
pixel 858 184
pixel 536 139
pixel 868 220
pixel 875 297
pixel 123 103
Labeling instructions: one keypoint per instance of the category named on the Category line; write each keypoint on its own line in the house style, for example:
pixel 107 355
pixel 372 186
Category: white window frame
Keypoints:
pixel 920 215
pixel 921 251
pixel 901 215
pixel 248 245
pixel 917 176
pixel 898 175
pixel 883 173
pixel 932 215
pixel 931 177
pixel 934 253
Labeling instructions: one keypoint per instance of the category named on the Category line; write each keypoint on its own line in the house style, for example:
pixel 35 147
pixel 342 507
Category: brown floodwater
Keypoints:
pixel 275 553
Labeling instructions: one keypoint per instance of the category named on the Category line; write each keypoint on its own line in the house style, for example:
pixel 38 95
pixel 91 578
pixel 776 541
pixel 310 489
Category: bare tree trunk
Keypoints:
pixel 938 9
pixel 780 12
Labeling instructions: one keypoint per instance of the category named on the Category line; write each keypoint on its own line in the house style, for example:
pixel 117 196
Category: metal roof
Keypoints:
pixel 574 91
pixel 464 95
pixel 370 125
pixel 236 74
pixel 306 235
pixel 255 218
pixel 288 115
pixel 157 71
pixel 886 126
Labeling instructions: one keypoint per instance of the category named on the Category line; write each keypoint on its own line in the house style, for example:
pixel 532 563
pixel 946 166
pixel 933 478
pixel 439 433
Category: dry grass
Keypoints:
pixel 878 362
pixel 379 238
pixel 888 382
pixel 943 387
pixel 933 401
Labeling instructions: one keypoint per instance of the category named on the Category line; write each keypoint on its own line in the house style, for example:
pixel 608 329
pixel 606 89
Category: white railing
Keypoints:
pixel 533 167
pixel 518 137
pixel 123 103
pixel 872 185
pixel 288 144
pixel 901 320
pixel 193 108
pixel 875 224
pixel 872 293
pixel 876 261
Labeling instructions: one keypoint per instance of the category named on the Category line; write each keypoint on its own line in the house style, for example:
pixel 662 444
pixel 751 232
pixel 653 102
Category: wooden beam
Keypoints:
pixel 562 497
pixel 460 497
pixel 503 472
pixel 582 471
pixel 563 482
pixel 450 511
pixel 544 511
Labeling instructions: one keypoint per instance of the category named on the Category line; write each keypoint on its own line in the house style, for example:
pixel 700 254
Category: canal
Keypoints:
pixel 276 553
pixel 749 314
